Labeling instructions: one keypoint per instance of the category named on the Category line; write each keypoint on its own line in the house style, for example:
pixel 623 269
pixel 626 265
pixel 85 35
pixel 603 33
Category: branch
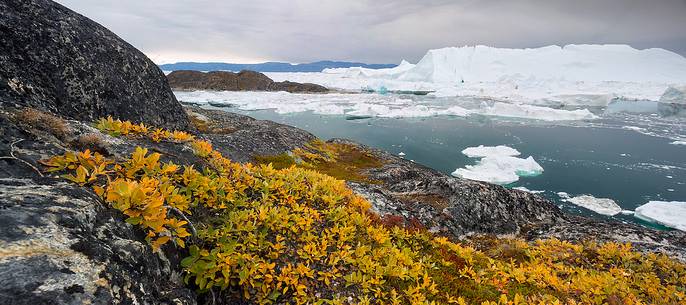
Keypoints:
pixel 13 157
pixel 177 211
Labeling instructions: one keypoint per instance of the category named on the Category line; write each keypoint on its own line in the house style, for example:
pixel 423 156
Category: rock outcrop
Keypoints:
pixel 60 245
pixel 241 81
pixel 57 60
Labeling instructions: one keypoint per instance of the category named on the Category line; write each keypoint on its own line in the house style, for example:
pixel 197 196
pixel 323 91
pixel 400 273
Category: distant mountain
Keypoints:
pixel 270 66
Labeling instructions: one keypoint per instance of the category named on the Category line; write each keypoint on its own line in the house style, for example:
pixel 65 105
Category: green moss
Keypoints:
pixel 341 161
pixel 278 162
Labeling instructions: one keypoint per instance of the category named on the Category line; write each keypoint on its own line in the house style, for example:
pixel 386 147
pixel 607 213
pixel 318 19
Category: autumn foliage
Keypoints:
pixel 296 236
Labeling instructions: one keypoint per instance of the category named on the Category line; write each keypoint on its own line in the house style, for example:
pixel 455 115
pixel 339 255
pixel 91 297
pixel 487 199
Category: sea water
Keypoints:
pixel 626 157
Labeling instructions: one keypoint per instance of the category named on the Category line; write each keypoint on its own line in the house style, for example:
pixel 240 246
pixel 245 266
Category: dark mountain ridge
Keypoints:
pixel 270 66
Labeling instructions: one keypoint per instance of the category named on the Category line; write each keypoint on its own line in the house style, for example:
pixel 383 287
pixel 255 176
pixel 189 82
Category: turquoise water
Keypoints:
pixel 600 159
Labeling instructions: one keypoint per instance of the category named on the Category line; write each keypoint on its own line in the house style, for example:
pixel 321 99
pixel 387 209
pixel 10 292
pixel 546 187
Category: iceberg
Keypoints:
pixel 524 189
pixel 536 112
pixel 674 95
pixel 667 213
pixel 673 101
pixel 571 75
pixel 498 165
pixel 594 63
pixel 604 206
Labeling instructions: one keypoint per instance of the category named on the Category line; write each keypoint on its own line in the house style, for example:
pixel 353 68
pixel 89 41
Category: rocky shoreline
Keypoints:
pixel 60 244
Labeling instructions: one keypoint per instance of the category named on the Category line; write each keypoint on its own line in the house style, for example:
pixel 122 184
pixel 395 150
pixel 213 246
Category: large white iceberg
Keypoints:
pixel 668 213
pixel 498 165
pixel 591 75
pixel 594 63
pixel 604 206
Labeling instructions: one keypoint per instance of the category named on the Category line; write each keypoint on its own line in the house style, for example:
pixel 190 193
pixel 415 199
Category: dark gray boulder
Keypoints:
pixel 57 60
pixel 60 244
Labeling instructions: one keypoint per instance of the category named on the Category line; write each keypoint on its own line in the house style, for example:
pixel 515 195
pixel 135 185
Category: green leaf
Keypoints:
pixel 187 261
pixel 194 250
pixel 133 220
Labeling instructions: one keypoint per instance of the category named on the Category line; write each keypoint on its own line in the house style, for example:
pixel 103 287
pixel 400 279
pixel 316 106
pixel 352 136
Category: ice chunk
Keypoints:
pixel 497 165
pixel 536 112
pixel 402 154
pixel 484 151
pixel 521 188
pixel 668 213
pixel 563 195
pixel 674 95
pixel 678 143
pixel 605 206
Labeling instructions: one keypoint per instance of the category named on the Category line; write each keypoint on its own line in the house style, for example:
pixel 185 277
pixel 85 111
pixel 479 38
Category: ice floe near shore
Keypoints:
pixel 668 213
pixel 498 164
pixel 372 105
pixel 604 206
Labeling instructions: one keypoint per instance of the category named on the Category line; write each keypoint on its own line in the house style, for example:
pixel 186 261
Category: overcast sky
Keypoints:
pixel 376 31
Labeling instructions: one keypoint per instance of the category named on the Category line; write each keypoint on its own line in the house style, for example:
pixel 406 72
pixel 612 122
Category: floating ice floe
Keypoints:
pixel 402 154
pixel 604 206
pixel 563 195
pixel 372 105
pixel 667 213
pixel 521 188
pixel 678 143
pixel 536 112
pixel 498 165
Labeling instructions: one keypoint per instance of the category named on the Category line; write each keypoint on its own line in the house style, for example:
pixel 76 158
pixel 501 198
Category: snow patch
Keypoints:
pixel 497 165
pixel 668 213
pixel 604 206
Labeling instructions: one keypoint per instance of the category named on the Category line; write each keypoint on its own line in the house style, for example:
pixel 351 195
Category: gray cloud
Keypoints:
pixel 380 31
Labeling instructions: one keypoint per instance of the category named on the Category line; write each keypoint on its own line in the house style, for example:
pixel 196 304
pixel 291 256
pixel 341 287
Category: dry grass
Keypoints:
pixel 90 141
pixel 43 121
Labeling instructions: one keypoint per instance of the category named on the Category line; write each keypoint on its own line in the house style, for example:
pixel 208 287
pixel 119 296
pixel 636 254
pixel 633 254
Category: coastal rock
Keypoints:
pixel 242 81
pixel 296 87
pixel 59 244
pixel 450 205
pixel 57 60
pixel 242 137
pixel 253 81
pixel 215 80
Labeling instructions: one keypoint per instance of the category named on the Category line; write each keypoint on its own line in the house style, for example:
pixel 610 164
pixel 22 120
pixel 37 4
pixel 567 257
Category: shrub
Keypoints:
pixel 296 236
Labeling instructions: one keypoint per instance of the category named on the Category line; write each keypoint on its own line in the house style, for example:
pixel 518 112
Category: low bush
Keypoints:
pixel 296 236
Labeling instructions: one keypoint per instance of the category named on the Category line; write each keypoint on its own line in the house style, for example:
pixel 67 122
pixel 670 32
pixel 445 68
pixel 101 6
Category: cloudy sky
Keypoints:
pixel 376 31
